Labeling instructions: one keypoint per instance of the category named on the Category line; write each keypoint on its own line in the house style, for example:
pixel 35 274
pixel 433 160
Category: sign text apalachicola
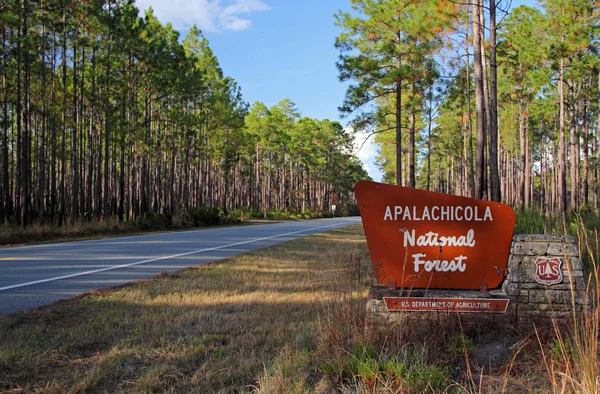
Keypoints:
pixel 422 239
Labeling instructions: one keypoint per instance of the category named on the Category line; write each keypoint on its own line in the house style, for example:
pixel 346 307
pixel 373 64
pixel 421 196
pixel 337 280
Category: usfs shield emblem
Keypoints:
pixel 548 270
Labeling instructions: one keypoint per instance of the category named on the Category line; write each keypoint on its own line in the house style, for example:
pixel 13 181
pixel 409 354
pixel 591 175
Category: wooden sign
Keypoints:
pixel 412 304
pixel 422 239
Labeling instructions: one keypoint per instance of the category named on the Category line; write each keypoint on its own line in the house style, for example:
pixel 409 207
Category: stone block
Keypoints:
pixel 572 274
pixel 574 263
pixel 376 306
pixel 498 293
pixel 539 286
pixel 519 275
pixel 530 248
pixel 563 249
pixel 517 249
pixel 529 283
pixel 547 314
pixel 546 307
pixel 574 283
pixel 522 298
pixel 510 288
pixel 553 297
pixel 580 283
pixel 514 261
pixel 519 299
pixel 538 238
pixel 529 261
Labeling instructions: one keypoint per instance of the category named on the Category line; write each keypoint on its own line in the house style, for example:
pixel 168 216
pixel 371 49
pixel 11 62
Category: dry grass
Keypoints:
pixel 11 235
pixel 287 319
pixel 213 328
pixel 561 356
pixel 573 362
pixel 94 228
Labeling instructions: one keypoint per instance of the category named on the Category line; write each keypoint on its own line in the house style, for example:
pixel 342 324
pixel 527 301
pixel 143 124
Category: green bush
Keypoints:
pixel 153 221
pixel 86 226
pixel 365 366
pixel 458 344
pixel 583 223
pixel 534 221
pixel 204 216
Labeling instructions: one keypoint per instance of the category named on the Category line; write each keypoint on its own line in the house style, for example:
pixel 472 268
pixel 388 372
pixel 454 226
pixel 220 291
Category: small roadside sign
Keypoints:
pixel 548 270
pixel 446 304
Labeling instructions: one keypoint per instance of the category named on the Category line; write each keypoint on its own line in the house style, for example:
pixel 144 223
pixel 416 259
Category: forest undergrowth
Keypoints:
pixel 11 234
pixel 450 353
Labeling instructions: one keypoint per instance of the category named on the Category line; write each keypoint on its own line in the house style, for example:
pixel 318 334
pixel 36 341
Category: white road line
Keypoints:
pixel 37 282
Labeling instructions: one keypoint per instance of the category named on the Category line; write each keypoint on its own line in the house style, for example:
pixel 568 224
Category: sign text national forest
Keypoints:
pixel 422 239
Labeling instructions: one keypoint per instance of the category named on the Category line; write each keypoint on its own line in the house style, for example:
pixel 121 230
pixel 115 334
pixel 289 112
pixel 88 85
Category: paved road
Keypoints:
pixel 32 276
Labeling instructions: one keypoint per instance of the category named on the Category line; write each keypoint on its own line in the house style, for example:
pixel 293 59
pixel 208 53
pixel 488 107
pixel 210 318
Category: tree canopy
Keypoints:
pixel 109 114
pixel 499 104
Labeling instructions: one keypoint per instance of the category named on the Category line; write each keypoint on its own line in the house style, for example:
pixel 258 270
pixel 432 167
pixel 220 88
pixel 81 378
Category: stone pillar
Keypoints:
pixel 534 283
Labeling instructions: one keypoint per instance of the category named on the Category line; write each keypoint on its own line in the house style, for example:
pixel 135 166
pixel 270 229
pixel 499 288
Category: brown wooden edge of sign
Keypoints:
pixel 487 257
pixel 428 304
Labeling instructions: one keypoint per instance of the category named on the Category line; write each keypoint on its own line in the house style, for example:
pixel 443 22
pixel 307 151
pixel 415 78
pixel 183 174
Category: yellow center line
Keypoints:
pixel 10 258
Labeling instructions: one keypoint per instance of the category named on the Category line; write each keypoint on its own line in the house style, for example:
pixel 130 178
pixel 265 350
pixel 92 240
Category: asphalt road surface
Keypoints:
pixel 31 276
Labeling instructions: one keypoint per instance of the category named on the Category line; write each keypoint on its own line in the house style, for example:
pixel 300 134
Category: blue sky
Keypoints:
pixel 274 49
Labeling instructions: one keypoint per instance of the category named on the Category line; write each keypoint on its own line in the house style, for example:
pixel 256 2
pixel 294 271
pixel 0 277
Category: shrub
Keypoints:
pixel 153 221
pixel 204 216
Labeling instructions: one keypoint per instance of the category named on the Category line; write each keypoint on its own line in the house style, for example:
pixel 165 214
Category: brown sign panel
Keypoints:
pixel 548 270
pixel 422 239
pixel 421 304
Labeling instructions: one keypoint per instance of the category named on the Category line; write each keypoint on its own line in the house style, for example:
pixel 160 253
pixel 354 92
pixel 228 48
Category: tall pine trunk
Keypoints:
pixel 74 156
pixel 493 110
pixel 561 187
pixel 6 195
pixel 479 103
pixel 586 166
pixel 574 154
pixel 399 123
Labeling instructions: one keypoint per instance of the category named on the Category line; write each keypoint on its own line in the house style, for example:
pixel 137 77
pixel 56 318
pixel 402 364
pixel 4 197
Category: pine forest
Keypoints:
pixel 106 114
pixel 476 99
pixel 109 114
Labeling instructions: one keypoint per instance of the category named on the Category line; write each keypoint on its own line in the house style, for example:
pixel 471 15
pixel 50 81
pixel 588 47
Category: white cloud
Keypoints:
pixel 367 153
pixel 208 15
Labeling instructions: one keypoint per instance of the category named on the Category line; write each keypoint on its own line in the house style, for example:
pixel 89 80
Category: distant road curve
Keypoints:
pixel 31 276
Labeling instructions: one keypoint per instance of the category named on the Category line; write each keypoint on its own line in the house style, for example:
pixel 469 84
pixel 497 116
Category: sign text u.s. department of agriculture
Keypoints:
pixel 422 239
pixel 446 304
